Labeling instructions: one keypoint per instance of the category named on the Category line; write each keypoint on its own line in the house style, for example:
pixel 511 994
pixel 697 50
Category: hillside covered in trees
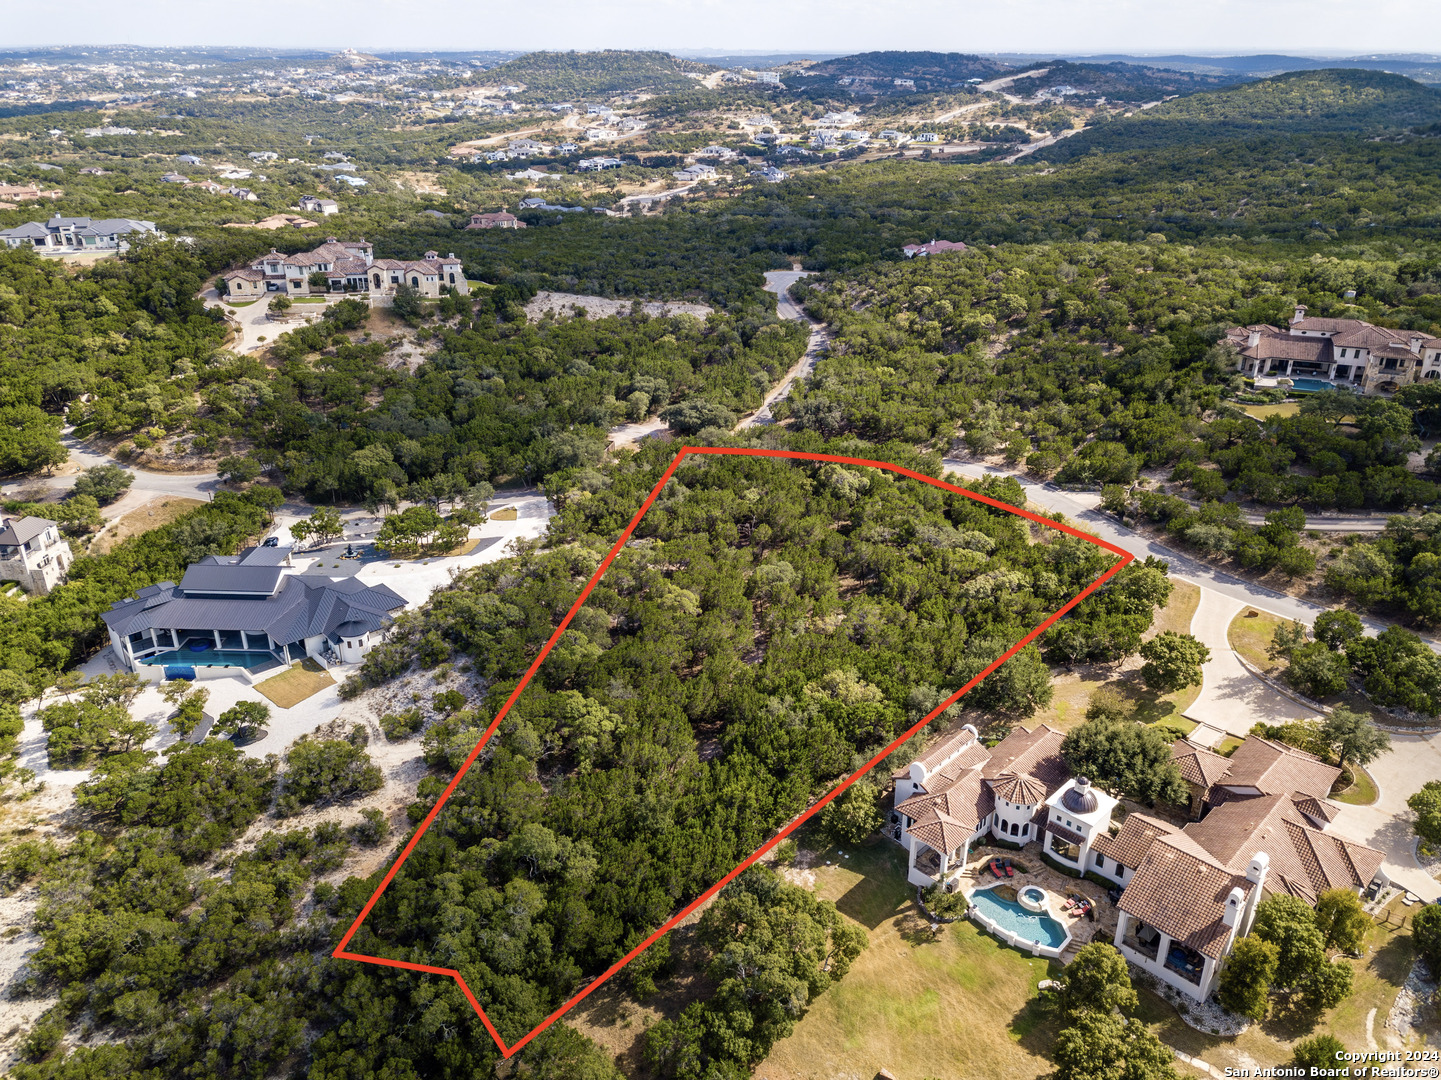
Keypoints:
pixel 561 75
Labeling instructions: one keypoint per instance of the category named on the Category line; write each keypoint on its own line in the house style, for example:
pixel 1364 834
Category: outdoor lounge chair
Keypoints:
pixel 997 869
pixel 1010 870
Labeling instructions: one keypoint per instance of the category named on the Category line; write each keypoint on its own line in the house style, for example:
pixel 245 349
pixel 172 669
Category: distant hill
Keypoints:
pixel 1334 102
pixel 1120 82
pixel 755 61
pixel 552 75
pixel 947 67
pixel 1419 66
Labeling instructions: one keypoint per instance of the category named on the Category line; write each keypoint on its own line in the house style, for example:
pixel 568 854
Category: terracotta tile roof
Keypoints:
pixel 1181 891
pixel 1304 860
pixel 951 754
pixel 1366 336
pixel 966 802
pixel 1285 347
pixel 244 275
pixel 1316 809
pixel 941 833
pixel 1198 765
pixel 935 755
pixel 1274 768
pixel 1037 752
pixel 1329 326
pixel 1024 789
pixel 1065 833
pixel 1129 846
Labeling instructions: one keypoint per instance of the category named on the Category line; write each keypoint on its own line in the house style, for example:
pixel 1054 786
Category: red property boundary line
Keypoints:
pixel 341 952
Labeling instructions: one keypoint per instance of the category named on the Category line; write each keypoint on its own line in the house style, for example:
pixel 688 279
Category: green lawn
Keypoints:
pixel 952 1004
pixel 1362 791
pixel 1250 634
pixel 1072 690
pixel 1284 408
pixel 292 686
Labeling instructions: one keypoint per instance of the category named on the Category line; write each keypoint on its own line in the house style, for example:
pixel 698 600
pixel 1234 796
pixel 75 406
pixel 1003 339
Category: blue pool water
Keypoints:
pixel 211 658
pixel 1009 915
pixel 1311 386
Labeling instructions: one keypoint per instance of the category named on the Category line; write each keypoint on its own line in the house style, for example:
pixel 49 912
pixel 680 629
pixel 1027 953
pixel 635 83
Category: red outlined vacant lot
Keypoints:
pixel 341 950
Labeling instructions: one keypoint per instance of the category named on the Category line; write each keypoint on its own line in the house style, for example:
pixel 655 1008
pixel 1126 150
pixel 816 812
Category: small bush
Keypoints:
pixel 399 726
pixel 371 829
pixel 944 905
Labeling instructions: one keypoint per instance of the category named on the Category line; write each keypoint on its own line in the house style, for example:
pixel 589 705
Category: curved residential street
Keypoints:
pixel 1232 699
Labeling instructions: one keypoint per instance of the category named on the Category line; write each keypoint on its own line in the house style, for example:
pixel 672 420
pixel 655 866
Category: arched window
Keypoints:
pixel 377 281
pixel 415 282
pixel 1026 828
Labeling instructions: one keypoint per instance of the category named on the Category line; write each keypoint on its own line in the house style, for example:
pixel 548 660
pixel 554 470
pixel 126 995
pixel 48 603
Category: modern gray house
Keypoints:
pixel 247 612
pixel 68 234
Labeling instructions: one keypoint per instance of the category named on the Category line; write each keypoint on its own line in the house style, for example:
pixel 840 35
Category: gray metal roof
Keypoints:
pixel 29 229
pixel 279 555
pixel 23 530
pixel 231 580
pixel 303 607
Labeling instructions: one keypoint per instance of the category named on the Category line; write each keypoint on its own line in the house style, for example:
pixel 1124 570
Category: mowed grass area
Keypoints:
pixel 1071 690
pixel 1250 635
pixel 1179 610
pixel 152 515
pixel 1378 977
pixel 291 687
pixel 950 1004
pixel 1362 791
pixel 1284 408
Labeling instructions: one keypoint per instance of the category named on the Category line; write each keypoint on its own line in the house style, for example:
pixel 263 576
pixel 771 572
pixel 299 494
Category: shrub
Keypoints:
pixel 371 829
pixel 399 726
pixel 321 771
pixel 942 904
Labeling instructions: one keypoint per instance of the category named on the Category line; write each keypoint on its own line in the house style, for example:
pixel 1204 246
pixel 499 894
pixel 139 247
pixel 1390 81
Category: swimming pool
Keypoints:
pixel 1311 386
pixel 1008 917
pixel 210 658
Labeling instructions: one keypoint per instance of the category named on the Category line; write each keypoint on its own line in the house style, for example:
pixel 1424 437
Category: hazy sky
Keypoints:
pixel 1069 26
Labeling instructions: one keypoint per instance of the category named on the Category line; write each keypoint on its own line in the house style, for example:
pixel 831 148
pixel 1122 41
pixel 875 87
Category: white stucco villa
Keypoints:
pixel 1189 892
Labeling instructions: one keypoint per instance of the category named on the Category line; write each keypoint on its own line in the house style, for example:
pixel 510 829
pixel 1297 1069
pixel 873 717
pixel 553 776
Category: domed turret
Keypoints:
pixel 1080 799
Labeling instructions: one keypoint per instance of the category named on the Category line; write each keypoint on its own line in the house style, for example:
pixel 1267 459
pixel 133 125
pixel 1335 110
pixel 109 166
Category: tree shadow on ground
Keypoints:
pixel 916 930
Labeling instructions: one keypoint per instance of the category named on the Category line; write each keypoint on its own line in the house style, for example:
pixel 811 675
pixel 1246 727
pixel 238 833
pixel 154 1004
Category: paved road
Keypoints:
pixel 1231 698
pixel 1002 83
pixel 1081 507
pixel 779 282
pixel 146 486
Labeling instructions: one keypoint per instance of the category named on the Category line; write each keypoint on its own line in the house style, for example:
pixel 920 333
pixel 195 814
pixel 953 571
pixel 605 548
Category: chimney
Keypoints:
pixel 1256 874
pixel 1300 314
pixel 1416 345
pixel 1234 902
pixel 1253 339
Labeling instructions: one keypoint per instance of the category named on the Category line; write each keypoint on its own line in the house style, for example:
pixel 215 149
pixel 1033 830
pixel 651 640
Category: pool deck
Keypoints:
pixel 1057 887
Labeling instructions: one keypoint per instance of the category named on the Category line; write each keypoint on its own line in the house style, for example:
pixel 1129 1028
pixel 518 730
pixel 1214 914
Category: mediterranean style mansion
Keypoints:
pixel 347 266
pixel 1189 893
pixel 1337 353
